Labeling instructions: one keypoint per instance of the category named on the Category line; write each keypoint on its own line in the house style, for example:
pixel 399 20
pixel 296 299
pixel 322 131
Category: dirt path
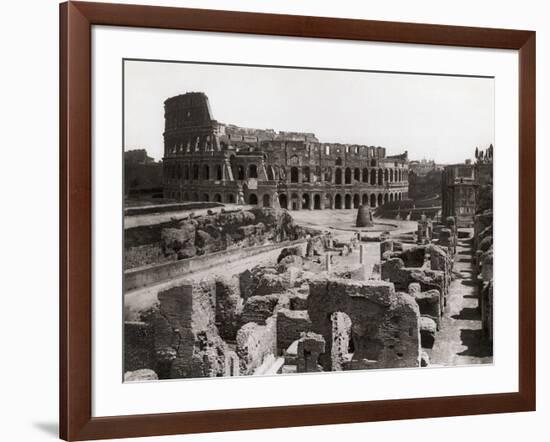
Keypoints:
pixel 460 340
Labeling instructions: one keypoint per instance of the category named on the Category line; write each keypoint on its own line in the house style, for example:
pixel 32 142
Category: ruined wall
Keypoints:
pixel 385 330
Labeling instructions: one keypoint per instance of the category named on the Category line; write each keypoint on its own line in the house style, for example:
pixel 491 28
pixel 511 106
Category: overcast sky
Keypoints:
pixel 433 117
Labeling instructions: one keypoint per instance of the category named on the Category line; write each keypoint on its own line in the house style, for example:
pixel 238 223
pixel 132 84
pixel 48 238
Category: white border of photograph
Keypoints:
pixel 111 397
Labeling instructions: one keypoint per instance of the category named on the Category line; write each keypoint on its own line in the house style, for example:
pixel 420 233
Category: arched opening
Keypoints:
pixel 186 172
pixel 348 175
pixel 205 172
pixel 365 175
pixel 328 175
pixel 306 175
pixel 356 201
pixel 386 198
pixel 305 201
pixel 293 174
pixel 380 177
pixel 373 200
pixel 252 171
pixel 205 197
pixel 230 198
pixel 217 198
pixel 391 197
pixel 195 171
pixel 252 199
pixel 195 196
pixel 379 199
pixel 178 172
pixel 348 201
pixel 219 173
pixel 391 175
pixel 357 174
pixel 373 177
pixel 266 200
pixel 386 175
pixel 365 199
pixel 328 201
pixel 317 202
pixel 240 173
pixel 283 201
pixel 270 173
pixel 373 163
pixel 338 176
pixel 338 201
pixel 295 202
pixel 338 161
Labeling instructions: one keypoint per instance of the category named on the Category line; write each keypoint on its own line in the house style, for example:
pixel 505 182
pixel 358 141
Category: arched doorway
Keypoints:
pixel 379 199
pixel 356 201
pixel 338 177
pixel 348 175
pixel 205 197
pixel 380 177
pixel 328 201
pixel 266 200
pixel 338 201
pixel 253 171
pixel 230 198
pixel 317 202
pixel 348 201
pixel 305 201
pixel 294 202
pixel 217 198
pixel 373 200
pixel 365 199
pixel 253 199
pixel 293 174
pixel 283 203
pixel 386 198
pixel 365 175
pixel 357 174
pixel 373 177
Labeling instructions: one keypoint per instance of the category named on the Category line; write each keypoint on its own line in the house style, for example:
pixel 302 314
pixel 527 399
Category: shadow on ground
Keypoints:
pixel 476 343
pixel 468 314
pixel 50 428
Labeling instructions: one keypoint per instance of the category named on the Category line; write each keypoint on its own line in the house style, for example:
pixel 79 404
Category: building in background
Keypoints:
pixel 205 160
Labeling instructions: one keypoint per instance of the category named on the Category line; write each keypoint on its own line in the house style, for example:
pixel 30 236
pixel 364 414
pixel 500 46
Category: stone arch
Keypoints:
pixel 294 202
pixel 347 201
pixel 373 177
pixel 386 198
pixel 338 201
pixel 391 197
pixel 386 175
pixel 339 161
pixel 391 175
pixel 338 176
pixel 357 174
pixel 266 200
pixel 317 201
pixel 253 199
pixel 219 172
pixel 365 199
pixel 372 200
pixel 206 172
pixel 356 201
pixel 252 171
pixel 365 175
pixel 283 202
pixel 270 173
pixel 178 172
pixel 306 175
pixel 384 334
pixel 240 173
pixel 217 198
pixel 205 197
pixel 328 175
pixel 328 201
pixel 380 199
pixel 294 174
pixel 348 175
pixel 230 198
pixel 373 163
pixel 306 199
pixel 186 172
pixel 195 196
pixel 380 177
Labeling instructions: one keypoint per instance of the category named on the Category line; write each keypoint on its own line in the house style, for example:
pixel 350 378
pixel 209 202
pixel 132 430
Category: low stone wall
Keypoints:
pixel 256 342
pixel 290 326
pixel 144 276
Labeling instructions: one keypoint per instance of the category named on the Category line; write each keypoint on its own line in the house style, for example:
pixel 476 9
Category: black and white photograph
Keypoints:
pixel 285 220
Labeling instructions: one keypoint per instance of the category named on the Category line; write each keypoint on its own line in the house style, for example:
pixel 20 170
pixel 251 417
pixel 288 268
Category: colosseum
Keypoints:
pixel 205 160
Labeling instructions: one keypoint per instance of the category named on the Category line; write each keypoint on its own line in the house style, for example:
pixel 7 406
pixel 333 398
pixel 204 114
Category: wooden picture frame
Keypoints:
pixel 76 20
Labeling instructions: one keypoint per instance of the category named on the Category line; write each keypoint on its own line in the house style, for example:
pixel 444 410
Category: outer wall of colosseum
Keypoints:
pixel 205 160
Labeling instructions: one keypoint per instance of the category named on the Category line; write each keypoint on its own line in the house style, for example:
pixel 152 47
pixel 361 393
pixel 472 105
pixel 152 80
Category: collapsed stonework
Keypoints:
pixel 204 234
